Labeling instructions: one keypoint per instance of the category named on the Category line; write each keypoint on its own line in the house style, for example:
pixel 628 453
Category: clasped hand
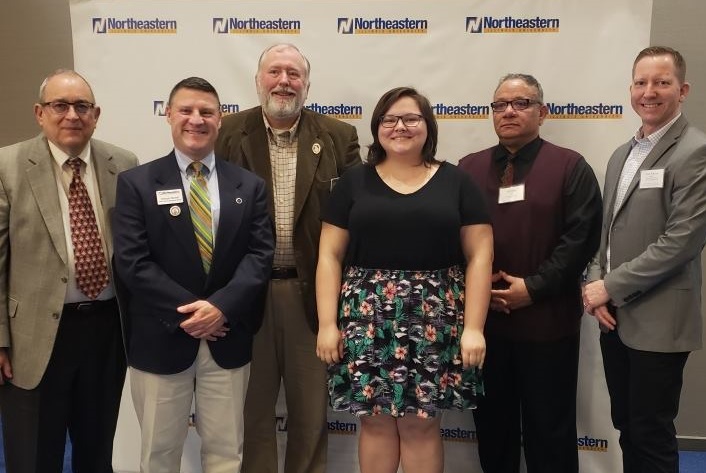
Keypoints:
pixel 205 321
pixel 513 298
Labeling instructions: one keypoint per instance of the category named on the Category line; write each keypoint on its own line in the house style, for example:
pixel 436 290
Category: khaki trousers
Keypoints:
pixel 163 405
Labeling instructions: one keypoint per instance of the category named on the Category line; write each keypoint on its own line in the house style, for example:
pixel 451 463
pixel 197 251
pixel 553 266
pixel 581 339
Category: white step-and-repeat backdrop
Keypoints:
pixel 133 52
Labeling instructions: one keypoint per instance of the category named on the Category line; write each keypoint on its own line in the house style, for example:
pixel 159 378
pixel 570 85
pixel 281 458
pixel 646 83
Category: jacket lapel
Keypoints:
pixel 612 180
pixel 309 150
pixel 106 175
pixel 666 142
pixel 43 184
pixel 231 214
pixel 256 153
pixel 168 177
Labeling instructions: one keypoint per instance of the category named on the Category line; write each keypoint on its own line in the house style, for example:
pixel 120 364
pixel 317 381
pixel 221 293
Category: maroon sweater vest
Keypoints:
pixel 525 234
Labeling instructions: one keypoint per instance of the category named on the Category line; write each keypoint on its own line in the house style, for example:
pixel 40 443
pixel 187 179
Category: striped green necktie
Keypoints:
pixel 200 206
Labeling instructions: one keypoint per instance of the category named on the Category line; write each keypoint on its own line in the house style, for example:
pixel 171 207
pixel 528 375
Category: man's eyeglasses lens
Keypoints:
pixel 410 120
pixel 518 104
pixel 62 108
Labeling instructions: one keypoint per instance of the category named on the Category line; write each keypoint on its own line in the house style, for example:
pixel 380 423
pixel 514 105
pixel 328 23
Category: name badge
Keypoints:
pixel 652 179
pixel 511 194
pixel 170 196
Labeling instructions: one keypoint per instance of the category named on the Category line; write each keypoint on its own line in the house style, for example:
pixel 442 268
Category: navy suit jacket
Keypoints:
pixel 158 266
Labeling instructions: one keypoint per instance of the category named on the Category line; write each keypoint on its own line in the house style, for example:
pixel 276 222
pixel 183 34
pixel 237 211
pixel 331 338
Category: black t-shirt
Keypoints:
pixel 417 231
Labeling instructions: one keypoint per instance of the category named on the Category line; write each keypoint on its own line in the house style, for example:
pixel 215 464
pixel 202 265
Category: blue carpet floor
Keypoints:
pixel 689 462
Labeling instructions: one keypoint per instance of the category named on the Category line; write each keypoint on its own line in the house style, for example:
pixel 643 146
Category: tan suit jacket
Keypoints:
pixel 656 238
pixel 326 148
pixel 33 255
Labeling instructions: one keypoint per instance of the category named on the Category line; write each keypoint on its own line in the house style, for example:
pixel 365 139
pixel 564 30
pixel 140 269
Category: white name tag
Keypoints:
pixel 170 196
pixel 511 194
pixel 652 179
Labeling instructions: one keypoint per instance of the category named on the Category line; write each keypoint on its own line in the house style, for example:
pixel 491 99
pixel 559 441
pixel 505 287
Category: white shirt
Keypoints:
pixel 211 181
pixel 64 175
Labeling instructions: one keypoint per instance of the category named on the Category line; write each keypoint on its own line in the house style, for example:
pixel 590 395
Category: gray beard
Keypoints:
pixel 288 109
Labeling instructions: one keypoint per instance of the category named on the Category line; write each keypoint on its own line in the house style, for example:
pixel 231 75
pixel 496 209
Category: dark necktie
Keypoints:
pixel 200 206
pixel 508 173
pixel 91 267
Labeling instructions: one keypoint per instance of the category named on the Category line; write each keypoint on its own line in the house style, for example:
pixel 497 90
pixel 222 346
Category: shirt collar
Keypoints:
pixel 60 157
pixel 183 161
pixel 526 153
pixel 657 135
pixel 276 135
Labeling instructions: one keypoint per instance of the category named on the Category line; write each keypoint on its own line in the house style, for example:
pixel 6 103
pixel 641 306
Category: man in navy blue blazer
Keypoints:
pixel 193 252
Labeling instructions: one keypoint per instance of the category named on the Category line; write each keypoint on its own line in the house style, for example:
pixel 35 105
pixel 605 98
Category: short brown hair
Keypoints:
pixel 376 153
pixel 679 62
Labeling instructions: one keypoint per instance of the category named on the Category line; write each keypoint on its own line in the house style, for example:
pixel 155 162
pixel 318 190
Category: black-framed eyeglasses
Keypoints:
pixel 62 108
pixel 409 120
pixel 517 104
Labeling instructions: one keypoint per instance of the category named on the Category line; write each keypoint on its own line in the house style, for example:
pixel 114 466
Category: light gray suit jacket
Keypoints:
pixel 33 256
pixel 656 238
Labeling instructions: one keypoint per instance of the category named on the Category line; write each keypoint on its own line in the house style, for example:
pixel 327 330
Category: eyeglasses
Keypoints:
pixel 62 108
pixel 409 120
pixel 517 104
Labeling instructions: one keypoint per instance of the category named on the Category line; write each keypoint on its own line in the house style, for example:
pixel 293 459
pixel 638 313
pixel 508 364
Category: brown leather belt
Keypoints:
pixel 283 273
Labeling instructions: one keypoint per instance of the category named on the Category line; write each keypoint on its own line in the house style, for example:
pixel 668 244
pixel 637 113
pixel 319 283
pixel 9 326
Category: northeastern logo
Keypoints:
pixel 458 434
pixel 357 25
pixel 462 111
pixel 572 111
pixel 341 111
pixel 110 25
pixel 509 24
pixel 159 108
pixel 587 443
pixel 235 25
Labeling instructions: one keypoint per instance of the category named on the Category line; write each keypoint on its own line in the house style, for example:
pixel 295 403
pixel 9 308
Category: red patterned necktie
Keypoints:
pixel 91 267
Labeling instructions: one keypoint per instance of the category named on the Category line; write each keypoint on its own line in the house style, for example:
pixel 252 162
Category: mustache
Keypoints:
pixel 286 90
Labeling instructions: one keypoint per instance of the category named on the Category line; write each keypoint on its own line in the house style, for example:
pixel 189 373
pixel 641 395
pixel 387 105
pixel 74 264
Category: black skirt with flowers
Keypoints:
pixel 401 344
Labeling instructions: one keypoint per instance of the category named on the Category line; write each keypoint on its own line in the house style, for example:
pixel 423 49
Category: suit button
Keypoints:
pixel 55 316
pixel 64 279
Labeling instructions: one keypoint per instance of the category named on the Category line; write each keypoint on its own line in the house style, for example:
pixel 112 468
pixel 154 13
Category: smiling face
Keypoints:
pixel 71 131
pixel 516 128
pixel 195 118
pixel 656 93
pixel 282 82
pixel 402 140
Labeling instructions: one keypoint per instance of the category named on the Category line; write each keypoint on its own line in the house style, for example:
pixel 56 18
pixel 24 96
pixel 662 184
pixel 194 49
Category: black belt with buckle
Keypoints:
pixel 89 306
pixel 283 273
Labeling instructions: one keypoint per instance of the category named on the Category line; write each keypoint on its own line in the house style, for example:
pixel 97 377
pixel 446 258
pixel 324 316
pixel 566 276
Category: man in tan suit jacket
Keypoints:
pixel 300 154
pixel 62 362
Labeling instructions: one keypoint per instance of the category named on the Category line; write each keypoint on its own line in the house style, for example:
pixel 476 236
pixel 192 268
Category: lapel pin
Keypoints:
pixel 238 200
pixel 316 148
pixel 174 211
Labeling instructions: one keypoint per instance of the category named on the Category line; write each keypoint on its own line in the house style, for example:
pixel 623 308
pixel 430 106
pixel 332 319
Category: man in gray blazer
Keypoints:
pixel 645 288
pixel 300 154
pixel 62 362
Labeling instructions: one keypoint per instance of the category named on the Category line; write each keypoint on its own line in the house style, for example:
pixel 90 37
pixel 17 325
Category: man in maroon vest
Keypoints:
pixel 545 207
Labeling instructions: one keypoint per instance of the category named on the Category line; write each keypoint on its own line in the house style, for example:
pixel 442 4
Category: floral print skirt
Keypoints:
pixel 401 344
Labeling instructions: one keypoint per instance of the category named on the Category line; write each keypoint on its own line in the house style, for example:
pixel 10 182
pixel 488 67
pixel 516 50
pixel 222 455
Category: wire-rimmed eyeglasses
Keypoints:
pixel 62 108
